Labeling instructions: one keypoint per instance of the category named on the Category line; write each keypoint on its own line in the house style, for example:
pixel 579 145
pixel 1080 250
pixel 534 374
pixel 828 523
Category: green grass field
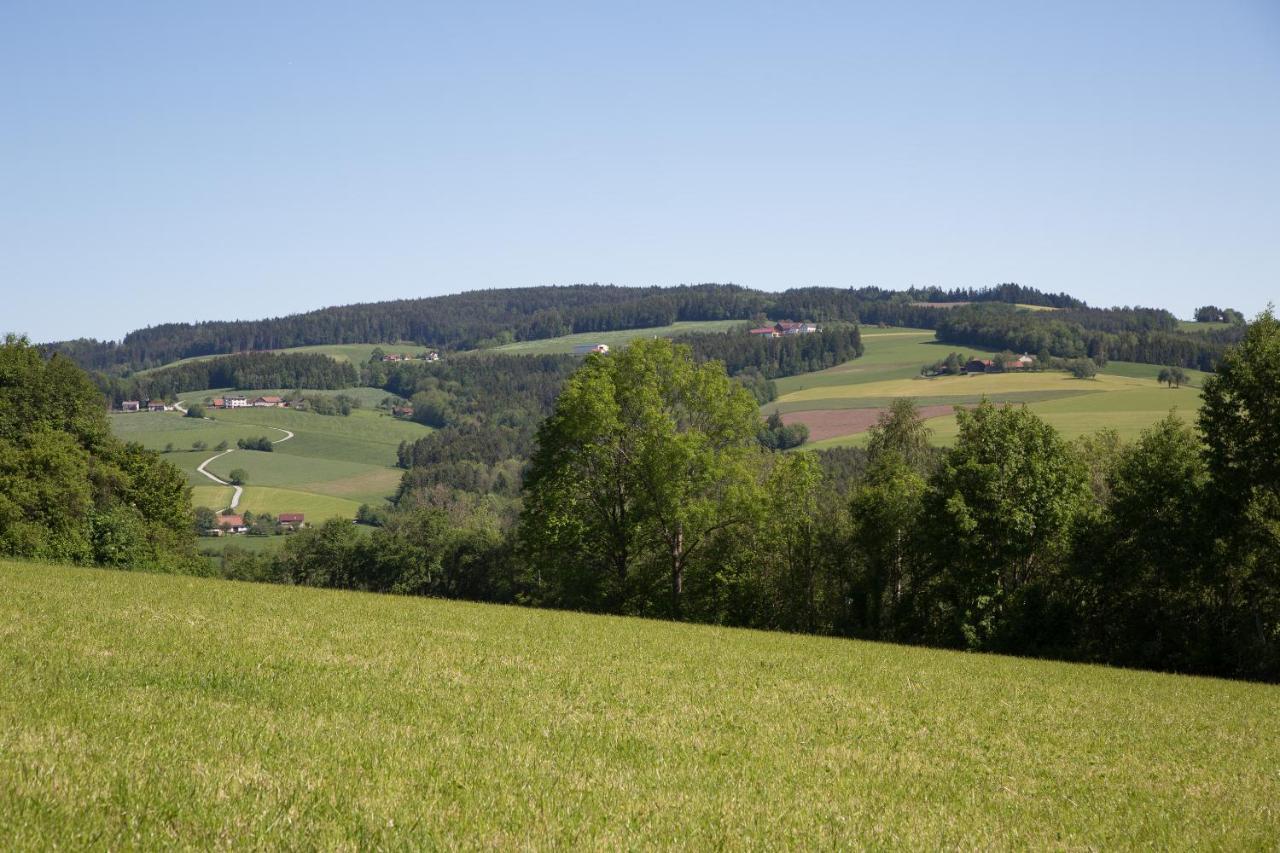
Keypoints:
pixel 331 465
pixel 566 343
pixel 1125 396
pixel 141 711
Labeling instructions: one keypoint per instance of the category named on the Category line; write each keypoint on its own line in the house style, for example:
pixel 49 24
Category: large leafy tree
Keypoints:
pixel 69 490
pixel 1240 420
pixel 1000 513
pixel 885 511
pixel 1141 563
pixel 646 460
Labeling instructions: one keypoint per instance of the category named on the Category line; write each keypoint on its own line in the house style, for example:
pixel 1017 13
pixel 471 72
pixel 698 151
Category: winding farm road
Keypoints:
pixel 239 490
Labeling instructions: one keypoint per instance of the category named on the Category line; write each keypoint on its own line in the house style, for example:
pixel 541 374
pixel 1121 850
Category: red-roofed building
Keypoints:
pixel 232 523
pixel 291 520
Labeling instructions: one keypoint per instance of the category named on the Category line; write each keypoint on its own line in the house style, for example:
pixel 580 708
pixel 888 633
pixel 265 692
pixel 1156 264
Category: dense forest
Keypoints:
pixel 1125 334
pixel 244 371
pixel 649 493
pixel 480 319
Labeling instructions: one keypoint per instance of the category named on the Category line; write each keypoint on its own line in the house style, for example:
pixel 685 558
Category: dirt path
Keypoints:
pixel 239 490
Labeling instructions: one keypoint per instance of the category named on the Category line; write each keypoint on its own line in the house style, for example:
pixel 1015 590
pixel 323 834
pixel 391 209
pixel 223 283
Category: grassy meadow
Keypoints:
pixel 1124 396
pixel 330 466
pixel 157 711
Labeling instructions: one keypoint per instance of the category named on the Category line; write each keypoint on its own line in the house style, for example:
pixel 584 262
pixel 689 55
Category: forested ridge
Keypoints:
pixel 243 371
pixel 479 319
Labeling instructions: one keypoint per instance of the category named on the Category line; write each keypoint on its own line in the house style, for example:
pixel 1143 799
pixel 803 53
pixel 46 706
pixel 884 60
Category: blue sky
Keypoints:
pixel 170 161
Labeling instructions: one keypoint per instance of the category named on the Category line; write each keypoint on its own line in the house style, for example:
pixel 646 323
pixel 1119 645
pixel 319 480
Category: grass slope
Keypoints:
pixel 144 711
pixel 1125 396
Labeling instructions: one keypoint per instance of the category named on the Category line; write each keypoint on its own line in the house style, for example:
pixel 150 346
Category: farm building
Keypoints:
pixel 785 327
pixel 238 402
pixel 131 406
pixel 155 406
pixel 232 524
pixel 587 349
pixel 291 520
pixel 267 402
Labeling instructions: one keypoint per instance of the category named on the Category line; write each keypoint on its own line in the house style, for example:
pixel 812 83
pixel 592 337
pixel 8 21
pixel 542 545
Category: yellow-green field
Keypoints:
pixel 1124 396
pixel 330 466
pixel 158 712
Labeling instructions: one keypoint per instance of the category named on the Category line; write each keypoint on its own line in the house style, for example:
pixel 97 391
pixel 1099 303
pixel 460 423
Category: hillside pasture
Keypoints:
pixel 840 404
pixel 331 465
pixel 143 711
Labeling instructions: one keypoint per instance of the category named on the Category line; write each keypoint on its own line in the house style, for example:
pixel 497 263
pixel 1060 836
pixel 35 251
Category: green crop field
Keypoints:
pixel 141 711
pixel 839 403
pixel 566 343
pixel 330 466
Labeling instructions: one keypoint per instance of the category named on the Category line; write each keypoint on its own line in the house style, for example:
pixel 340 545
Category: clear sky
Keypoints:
pixel 174 161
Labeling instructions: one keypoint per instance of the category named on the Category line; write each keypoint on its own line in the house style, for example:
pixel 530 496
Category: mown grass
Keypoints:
pixel 317 507
pixel 162 712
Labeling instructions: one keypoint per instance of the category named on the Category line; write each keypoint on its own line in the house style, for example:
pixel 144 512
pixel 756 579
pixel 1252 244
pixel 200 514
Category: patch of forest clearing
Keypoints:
pixel 145 710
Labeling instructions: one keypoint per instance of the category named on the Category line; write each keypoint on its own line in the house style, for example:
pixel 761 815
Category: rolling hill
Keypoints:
pixel 330 466
pixel 841 403
pixel 158 711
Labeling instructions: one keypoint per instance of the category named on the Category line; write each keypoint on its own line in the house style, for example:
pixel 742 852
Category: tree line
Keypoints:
pixel 244 371
pixel 484 318
pixel 1124 334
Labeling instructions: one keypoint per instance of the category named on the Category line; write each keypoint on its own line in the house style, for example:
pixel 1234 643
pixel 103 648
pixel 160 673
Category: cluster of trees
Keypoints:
pixel 1174 377
pixel 325 404
pixel 1214 314
pixel 774 358
pixel 776 435
pixel 71 492
pixel 650 494
pixel 1126 334
pixel 262 443
pixel 244 371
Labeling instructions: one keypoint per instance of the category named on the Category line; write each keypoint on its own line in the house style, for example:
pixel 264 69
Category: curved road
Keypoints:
pixel 239 490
